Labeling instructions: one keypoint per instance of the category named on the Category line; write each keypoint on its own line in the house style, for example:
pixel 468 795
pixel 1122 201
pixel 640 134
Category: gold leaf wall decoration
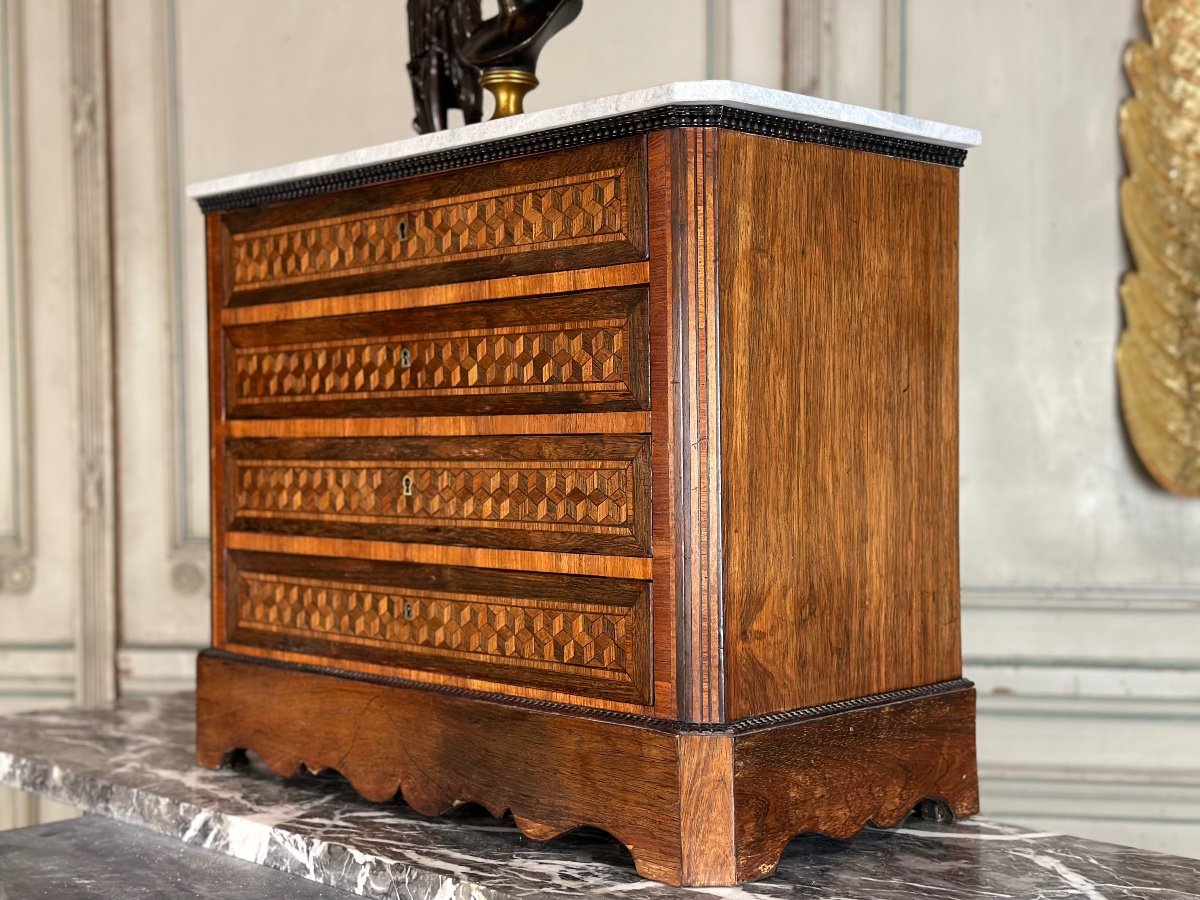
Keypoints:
pixel 1158 360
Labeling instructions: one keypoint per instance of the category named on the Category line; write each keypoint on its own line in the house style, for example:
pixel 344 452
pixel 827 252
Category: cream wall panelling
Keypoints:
pixel 16 445
pixel 849 50
pixel 160 328
pixel 57 517
pixel 40 489
pixel 96 592
pixel 1081 579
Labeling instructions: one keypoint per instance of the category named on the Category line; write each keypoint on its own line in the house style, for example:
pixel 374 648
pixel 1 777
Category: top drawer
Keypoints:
pixel 567 209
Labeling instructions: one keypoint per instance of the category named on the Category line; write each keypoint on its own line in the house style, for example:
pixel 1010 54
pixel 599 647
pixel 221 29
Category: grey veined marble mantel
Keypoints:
pixel 134 763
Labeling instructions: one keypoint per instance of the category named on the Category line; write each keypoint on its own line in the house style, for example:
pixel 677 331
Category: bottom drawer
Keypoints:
pixel 571 634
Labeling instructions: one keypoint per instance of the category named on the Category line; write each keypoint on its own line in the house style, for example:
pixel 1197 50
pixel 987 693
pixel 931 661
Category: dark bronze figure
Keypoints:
pixel 441 77
pixel 506 47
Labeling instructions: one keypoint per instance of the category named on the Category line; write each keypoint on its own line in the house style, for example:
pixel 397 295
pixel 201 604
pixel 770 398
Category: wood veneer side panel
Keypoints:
pixel 439 750
pixel 839 407
pixel 695 426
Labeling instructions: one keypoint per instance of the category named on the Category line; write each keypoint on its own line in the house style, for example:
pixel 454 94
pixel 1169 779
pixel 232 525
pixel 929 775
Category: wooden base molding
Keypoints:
pixel 695 805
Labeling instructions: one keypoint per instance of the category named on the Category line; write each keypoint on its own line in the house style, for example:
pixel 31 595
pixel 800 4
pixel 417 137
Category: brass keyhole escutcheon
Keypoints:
pixel 405 358
pixel 409 614
pixel 402 229
pixel 408 485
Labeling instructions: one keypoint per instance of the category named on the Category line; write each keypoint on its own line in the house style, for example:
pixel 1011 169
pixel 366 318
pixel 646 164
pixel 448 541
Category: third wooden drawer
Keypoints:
pixel 562 493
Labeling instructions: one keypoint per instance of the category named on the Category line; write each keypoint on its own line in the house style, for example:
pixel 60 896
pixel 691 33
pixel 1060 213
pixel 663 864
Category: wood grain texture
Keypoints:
pixel 584 494
pixel 577 351
pixel 839 423
pixel 572 209
pixel 570 634
pixel 837 773
pixel 708 842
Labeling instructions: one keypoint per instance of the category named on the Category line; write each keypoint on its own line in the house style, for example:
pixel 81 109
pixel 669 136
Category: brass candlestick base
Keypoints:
pixel 509 87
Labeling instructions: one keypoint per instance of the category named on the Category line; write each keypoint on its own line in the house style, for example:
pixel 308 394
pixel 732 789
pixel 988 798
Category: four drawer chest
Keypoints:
pixel 599 465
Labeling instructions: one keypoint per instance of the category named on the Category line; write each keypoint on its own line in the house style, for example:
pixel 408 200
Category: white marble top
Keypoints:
pixel 680 93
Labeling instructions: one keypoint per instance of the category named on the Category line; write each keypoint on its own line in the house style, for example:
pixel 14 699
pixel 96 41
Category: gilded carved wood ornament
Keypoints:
pixel 1158 360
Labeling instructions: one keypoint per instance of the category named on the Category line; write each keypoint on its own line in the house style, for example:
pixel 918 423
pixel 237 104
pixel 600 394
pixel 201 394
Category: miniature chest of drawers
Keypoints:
pixel 600 468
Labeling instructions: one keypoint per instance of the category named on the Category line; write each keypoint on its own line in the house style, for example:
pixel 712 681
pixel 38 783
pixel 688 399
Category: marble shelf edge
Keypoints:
pixel 240 837
pixel 134 763
pixel 729 94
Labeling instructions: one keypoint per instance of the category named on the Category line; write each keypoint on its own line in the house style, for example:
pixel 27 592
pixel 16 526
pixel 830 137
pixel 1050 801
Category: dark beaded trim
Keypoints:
pixel 666 726
pixel 576 135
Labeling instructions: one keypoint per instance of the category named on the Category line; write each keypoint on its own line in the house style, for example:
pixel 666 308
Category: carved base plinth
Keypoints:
pixel 694 807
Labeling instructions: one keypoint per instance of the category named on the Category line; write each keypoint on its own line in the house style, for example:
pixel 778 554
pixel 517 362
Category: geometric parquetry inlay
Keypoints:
pixel 553 634
pixel 576 495
pixel 587 208
pixel 518 359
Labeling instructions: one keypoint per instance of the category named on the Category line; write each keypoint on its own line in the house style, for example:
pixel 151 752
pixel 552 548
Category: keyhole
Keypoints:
pixel 405 358
pixel 407 482
pixel 403 229
pixel 408 611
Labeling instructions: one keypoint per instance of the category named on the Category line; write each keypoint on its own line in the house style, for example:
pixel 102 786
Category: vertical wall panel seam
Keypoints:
pixel 16 547
pixel 96 627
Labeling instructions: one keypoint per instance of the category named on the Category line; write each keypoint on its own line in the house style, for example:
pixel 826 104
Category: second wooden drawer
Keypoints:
pixel 559 353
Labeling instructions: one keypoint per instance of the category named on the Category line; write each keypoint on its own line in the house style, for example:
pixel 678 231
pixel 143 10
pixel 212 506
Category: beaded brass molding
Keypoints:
pixel 588 208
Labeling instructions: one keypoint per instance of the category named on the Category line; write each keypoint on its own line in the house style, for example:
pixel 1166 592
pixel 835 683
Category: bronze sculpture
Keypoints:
pixel 506 47
pixel 449 46
pixel 441 78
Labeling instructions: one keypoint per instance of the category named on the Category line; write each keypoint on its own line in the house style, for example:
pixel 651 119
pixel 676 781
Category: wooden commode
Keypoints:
pixel 599 465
